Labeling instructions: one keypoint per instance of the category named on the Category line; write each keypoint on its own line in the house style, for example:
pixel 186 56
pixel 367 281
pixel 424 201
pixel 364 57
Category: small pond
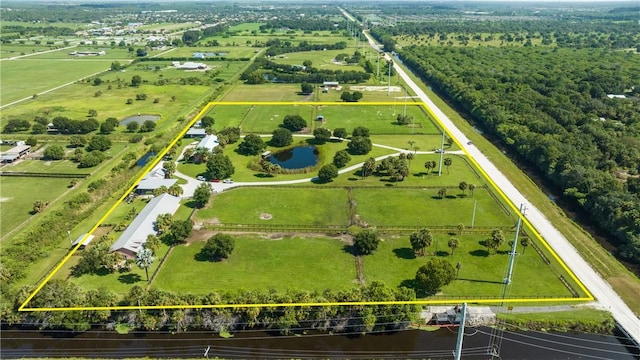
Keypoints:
pixel 296 158
pixel 139 119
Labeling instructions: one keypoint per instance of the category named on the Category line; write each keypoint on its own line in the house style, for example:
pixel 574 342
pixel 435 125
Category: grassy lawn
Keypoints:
pixel 480 275
pixel 43 166
pixel 261 264
pixel 118 282
pixel 423 207
pixel 265 92
pixel 23 78
pixel 231 51
pixel 19 193
pixel 585 316
pixel 308 206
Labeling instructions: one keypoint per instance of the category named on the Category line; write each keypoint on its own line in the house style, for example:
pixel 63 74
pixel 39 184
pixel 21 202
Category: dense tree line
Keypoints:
pixel 264 70
pixel 277 47
pixel 285 319
pixel 551 106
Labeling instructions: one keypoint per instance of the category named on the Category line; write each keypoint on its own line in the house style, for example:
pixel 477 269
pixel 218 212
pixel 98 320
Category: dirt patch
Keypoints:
pixel 5 199
pixel 265 216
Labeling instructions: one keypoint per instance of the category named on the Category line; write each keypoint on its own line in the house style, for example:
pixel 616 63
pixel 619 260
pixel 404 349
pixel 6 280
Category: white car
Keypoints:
pixel 200 178
pixel 227 181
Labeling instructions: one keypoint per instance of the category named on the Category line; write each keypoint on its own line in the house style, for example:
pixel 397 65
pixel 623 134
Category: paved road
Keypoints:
pixel 602 291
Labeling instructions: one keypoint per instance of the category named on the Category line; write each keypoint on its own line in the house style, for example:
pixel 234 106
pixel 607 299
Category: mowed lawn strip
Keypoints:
pixel 286 206
pixel 18 194
pixel 261 264
pixel 481 275
pixel 423 207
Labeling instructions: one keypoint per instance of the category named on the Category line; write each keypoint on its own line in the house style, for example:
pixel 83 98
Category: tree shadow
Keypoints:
pixel 129 278
pixel 191 204
pixel 412 284
pixel 353 179
pixel 316 180
pixel 443 253
pixel 203 258
pixel 451 197
pixel 480 253
pixel 404 253
pixel 436 197
pixel 263 175
pixel 350 249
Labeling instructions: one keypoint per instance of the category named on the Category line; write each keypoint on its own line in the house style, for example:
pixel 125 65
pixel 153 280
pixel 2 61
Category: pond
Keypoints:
pixel 298 157
pixel 139 119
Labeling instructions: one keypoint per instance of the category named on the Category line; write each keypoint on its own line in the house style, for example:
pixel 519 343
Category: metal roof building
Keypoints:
pixel 86 242
pixel 152 183
pixel 209 142
pixel 132 239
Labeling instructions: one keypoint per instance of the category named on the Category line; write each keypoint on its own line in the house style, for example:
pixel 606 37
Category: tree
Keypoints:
pixel 442 193
pixel 252 144
pixel 340 133
pixel 420 240
pixel 368 167
pixel 175 190
pixel 453 244
pixel 133 126
pixel 152 243
pixel 366 242
pixel 31 141
pixel 328 173
pixel 148 126
pixel 294 122
pixel 163 223
pixel 169 168
pixel 106 128
pixel 97 81
pixel 218 247
pixel 39 206
pixel 189 38
pixel 180 230
pixel 281 137
pixel 306 88
pixel 472 187
pixel 92 159
pixel 307 63
pixel 54 152
pixel 136 80
pixel 321 135
pixel 219 166
pixel 525 242
pixel 188 154
pixel 360 131
pixel 460 228
pixel 345 96
pixel 207 121
pixel 463 186
pixel 93 113
pixel 359 145
pixel 99 142
pixel 496 240
pixel 201 195
pixel 341 158
pixel 435 274
pixel 429 165
pixel 77 141
pixel 144 259
pixel 447 163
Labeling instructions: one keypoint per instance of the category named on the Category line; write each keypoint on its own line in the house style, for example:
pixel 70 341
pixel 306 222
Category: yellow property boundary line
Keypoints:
pixel 180 135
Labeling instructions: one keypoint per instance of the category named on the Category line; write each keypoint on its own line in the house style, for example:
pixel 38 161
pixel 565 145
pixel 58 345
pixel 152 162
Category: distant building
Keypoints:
pixel 86 241
pixel 149 184
pixel 195 133
pixel 15 153
pixel 135 236
pixel 614 96
pixel 192 66
pixel 330 84
pixel 87 53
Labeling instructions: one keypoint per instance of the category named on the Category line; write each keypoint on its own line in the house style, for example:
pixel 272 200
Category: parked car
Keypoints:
pixel 215 180
pixel 228 181
pixel 438 151
pixel 200 178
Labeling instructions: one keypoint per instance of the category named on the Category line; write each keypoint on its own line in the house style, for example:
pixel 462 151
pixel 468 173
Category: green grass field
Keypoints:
pixel 43 166
pixel 292 263
pixel 423 207
pixel 19 193
pixel 308 206
pixel 480 274
pixel 231 51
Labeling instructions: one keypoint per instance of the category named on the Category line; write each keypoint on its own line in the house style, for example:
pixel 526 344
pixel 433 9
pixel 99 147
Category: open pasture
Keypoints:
pixel 19 193
pixel 481 274
pixel 322 60
pixel 300 263
pixel 45 166
pixel 266 93
pixel 423 207
pixel 229 51
pixel 24 77
pixel 278 205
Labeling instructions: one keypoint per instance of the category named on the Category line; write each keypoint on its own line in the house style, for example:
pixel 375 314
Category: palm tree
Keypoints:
pixel 175 190
pixel 442 193
pixel 410 156
pixel 368 167
pixel 144 259
pixel 497 239
pixel 460 229
pixel 188 154
pixel 472 187
pixel 420 240
pixel 411 143
pixel 447 163
pixel 525 242
pixel 201 155
pixel 169 168
pixel 453 244
pixel 427 165
pixel 463 186
pixel 163 222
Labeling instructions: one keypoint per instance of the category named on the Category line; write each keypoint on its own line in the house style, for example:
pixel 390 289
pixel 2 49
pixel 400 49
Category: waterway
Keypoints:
pixel 254 344
pixel 298 157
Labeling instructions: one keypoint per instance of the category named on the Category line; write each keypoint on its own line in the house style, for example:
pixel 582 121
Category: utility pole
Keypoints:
pixel 390 64
pixel 458 351
pixel 441 154
pixel 69 234
pixel 512 256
